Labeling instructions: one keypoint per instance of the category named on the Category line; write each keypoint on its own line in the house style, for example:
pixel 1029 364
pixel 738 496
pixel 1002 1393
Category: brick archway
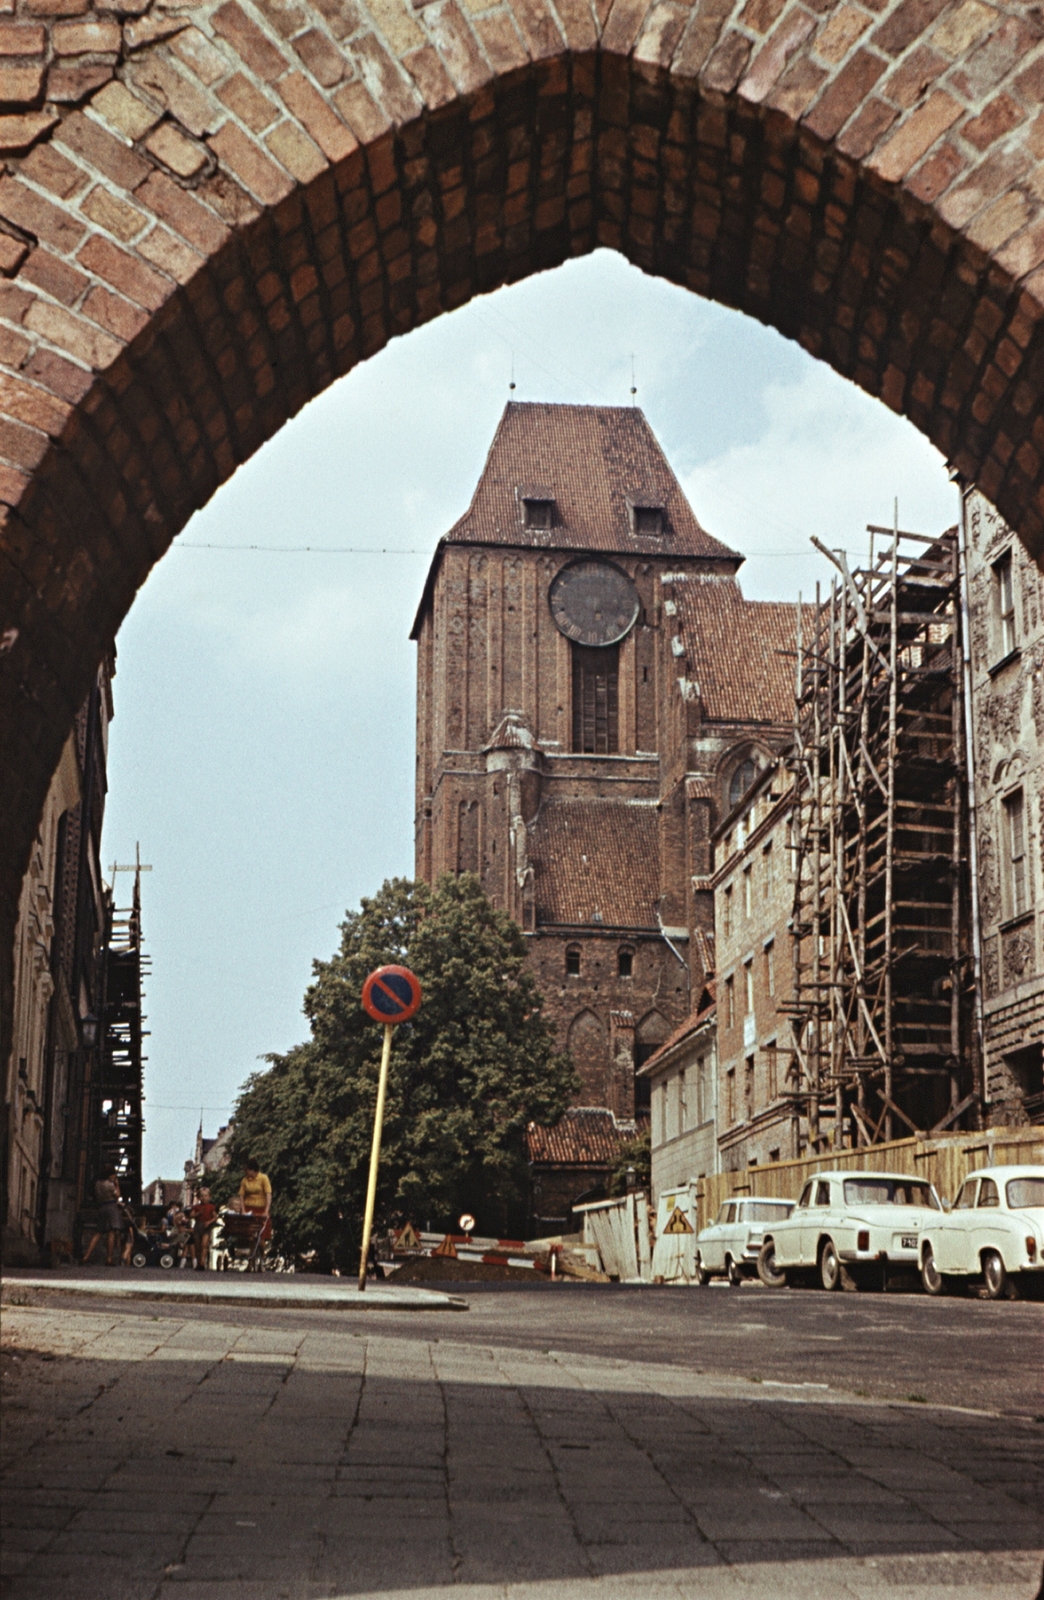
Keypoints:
pixel 212 210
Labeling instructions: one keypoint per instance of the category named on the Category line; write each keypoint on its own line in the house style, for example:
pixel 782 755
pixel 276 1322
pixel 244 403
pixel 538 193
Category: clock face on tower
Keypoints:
pixel 593 603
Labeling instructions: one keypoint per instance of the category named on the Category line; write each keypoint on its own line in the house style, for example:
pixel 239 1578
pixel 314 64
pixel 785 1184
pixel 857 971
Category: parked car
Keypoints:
pixel 847 1227
pixel 995 1230
pixel 731 1245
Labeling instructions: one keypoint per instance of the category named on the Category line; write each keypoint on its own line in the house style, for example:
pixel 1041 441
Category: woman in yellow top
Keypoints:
pixel 255 1194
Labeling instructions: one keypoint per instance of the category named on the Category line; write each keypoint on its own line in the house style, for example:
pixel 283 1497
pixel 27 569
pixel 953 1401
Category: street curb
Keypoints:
pixel 260 1290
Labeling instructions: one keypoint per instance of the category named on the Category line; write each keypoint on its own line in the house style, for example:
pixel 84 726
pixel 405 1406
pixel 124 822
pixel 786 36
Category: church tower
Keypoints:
pixel 567 751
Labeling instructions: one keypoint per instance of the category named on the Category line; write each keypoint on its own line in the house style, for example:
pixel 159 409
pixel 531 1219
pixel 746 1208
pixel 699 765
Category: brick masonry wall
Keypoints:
pixel 209 211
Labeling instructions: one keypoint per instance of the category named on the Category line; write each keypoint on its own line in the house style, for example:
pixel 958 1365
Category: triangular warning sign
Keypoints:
pixel 678 1222
pixel 407 1238
pixel 446 1248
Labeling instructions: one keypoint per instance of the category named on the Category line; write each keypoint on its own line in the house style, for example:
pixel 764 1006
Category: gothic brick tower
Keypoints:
pixel 593 693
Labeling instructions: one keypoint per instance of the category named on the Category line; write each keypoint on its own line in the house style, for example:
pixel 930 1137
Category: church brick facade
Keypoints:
pixel 594 693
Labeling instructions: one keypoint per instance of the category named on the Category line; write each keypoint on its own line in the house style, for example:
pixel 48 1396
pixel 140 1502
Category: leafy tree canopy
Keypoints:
pixel 476 1065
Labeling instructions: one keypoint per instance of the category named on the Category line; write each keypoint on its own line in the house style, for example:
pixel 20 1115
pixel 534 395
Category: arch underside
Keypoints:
pixel 727 199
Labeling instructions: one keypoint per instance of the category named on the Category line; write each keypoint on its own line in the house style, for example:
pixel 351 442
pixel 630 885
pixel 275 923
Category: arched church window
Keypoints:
pixel 572 960
pixel 741 780
pixel 596 677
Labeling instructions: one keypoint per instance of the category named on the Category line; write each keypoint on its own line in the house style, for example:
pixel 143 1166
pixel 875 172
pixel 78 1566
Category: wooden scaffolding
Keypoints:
pixel 882 1035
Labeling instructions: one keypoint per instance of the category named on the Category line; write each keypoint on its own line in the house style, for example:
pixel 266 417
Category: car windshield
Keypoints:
pixel 768 1211
pixel 1024 1192
pixel 889 1192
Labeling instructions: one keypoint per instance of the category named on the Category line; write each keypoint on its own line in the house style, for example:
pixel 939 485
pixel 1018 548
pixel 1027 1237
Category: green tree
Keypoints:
pixel 476 1065
pixel 636 1153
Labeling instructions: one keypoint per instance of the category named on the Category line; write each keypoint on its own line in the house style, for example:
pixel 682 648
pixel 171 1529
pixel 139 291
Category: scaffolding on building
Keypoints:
pixel 118 1090
pixel 881 1013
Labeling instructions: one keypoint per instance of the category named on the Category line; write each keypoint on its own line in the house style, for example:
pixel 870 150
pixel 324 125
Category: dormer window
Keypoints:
pixel 647 518
pixel 538 512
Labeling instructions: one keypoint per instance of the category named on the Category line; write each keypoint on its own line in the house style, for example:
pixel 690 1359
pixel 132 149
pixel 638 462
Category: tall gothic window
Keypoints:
pixel 596 677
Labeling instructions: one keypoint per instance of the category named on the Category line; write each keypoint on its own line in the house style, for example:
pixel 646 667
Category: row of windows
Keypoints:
pixel 687 1100
pixel 684 1101
pixel 624 961
pixel 768 961
pixel 749 1086
pixel 747 892
pixel 538 512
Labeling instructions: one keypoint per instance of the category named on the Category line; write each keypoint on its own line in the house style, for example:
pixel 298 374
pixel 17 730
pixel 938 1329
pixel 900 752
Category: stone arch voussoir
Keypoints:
pixel 211 210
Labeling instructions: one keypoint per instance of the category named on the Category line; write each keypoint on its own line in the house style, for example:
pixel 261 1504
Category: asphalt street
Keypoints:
pixel 546 1443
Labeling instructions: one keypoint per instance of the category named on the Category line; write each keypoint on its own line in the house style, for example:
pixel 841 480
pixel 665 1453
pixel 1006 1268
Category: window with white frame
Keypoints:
pixel 1004 579
pixel 748 986
pixel 770 968
pixel 748 903
pixel 1015 846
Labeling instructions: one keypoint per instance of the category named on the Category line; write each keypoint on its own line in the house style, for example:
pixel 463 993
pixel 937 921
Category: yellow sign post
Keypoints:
pixel 390 995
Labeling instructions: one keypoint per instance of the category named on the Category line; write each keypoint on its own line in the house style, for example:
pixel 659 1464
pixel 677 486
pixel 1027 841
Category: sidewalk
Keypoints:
pixel 297 1292
pixel 150 1456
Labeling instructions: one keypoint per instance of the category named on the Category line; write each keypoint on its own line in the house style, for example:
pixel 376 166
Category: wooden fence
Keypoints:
pixel 946 1162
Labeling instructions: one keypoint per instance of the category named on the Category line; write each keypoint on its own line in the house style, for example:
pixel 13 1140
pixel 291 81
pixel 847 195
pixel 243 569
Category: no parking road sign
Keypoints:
pixel 391 994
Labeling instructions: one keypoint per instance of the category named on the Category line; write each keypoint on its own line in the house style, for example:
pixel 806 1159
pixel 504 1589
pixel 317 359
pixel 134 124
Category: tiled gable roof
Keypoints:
pixel 596 856
pixel 585 1136
pixel 739 653
pixel 591 460
pixel 694 1021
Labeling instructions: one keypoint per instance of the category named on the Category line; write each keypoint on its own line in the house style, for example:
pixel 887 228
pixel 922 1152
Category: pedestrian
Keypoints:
pixel 203 1214
pixel 110 1215
pixel 255 1193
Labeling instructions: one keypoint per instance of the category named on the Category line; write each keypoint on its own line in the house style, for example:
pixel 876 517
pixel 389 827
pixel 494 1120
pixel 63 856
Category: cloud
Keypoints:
pixel 829 460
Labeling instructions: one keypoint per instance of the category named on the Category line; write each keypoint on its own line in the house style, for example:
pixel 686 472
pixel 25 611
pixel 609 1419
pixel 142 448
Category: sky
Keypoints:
pixel 263 745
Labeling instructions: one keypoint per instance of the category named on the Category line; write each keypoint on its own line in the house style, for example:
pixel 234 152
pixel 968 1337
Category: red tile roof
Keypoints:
pixel 695 1019
pixel 740 653
pixel 591 460
pixel 585 1136
pixel 597 856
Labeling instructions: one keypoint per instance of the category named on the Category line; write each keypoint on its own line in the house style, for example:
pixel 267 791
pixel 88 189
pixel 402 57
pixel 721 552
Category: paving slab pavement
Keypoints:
pixel 290 1290
pixel 168 1457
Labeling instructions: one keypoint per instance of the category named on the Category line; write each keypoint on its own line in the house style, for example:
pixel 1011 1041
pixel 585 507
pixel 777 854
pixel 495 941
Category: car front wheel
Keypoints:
pixel 829 1266
pixel 931 1278
pixel 702 1275
pixel 772 1277
pixel 994 1276
pixel 733 1273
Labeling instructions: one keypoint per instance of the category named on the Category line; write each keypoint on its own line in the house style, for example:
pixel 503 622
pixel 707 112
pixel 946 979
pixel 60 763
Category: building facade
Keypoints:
pixel 64 915
pixel 594 692
pixel 1006 634
pixel 757 1117
pixel 683 1080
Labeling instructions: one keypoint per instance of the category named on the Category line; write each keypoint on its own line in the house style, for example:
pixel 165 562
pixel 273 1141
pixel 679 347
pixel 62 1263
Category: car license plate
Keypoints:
pixel 908 1241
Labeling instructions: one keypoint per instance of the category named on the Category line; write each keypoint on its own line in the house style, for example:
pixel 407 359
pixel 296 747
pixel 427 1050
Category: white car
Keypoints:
pixel 730 1246
pixel 995 1230
pixel 848 1227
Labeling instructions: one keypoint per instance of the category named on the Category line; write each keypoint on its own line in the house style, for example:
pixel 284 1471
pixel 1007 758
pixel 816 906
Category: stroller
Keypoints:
pixel 240 1247
pixel 151 1250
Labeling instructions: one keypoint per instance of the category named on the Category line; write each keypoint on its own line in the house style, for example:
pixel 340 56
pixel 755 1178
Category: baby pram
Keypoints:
pixel 151 1250
pixel 241 1247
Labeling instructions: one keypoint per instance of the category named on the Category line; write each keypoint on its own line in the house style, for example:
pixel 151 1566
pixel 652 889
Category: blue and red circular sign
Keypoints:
pixel 391 994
